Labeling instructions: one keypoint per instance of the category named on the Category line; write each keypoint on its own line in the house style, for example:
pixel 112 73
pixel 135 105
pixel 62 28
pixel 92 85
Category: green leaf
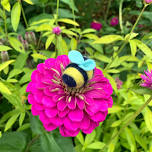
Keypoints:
pixel 141 90
pixel 6 4
pixel 101 57
pixel 26 77
pixel 21 60
pixel 39 56
pixel 15 15
pixel 4 88
pixel 11 121
pixel 115 109
pixel 14 72
pixel 69 33
pixel 16 44
pixel 90 138
pixel 91 36
pixel 21 118
pixel 12 142
pixel 116 123
pixel 5 64
pixel 80 138
pixel 144 48
pixel 131 139
pixel 68 21
pixel 29 2
pixel 49 41
pixel 96 145
pixel 133 47
pixel 148 119
pixel 108 39
pixel 24 126
pixel 4 48
pixel 73 44
pixel 89 30
pixel 130 36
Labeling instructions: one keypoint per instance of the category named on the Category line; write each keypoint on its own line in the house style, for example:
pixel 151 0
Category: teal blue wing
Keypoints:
pixel 88 65
pixel 75 57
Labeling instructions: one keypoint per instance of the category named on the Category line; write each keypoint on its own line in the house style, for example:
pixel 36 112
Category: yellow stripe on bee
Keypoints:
pixel 76 75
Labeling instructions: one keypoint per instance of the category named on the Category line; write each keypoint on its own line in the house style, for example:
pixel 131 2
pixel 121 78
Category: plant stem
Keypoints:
pixel 107 11
pixel 31 142
pixel 138 19
pixel 5 23
pixel 24 17
pixel 129 121
pixel 126 41
pixel 120 15
pixel 57 11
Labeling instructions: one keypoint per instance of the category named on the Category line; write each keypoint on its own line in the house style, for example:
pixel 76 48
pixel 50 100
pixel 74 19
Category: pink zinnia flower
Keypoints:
pixel 147 79
pixel 148 1
pixel 119 83
pixel 70 110
pixel 96 25
pixel 114 21
pixel 56 30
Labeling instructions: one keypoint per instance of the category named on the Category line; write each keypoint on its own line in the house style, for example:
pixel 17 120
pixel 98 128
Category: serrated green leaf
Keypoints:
pixel 49 41
pixel 15 15
pixel 4 48
pixel 16 44
pixel 108 39
pixel 5 64
pixel 4 88
pixel 11 121
pixel 96 145
pixel 68 21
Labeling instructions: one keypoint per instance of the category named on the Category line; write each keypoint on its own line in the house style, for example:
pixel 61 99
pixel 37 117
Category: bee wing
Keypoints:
pixel 75 57
pixel 88 65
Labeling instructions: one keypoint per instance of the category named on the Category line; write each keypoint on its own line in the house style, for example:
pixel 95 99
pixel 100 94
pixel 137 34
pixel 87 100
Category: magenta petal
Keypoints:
pixel 99 116
pixel 50 127
pixel 85 122
pixel 31 99
pixel 51 112
pixel 61 104
pixel 80 103
pixel 34 111
pixel 47 101
pixel 63 113
pixel 76 115
pixel 71 125
pixel 72 103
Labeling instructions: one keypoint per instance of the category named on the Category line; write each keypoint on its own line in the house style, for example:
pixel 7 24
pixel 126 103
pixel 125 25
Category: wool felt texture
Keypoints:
pixel 74 72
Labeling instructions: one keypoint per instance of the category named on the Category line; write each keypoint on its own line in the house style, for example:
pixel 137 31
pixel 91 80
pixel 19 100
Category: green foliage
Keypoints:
pixel 125 51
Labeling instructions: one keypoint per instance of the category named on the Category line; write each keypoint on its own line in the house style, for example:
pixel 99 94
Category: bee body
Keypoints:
pixel 76 77
pixel 79 71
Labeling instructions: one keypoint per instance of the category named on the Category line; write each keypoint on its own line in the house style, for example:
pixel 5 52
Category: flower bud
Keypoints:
pixel 30 37
pixel 118 82
pixel 56 30
pixel 96 25
pixel 114 21
pixel 4 56
pixel 148 1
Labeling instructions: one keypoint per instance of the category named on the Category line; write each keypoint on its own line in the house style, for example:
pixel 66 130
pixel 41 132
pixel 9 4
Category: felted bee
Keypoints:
pixel 79 71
